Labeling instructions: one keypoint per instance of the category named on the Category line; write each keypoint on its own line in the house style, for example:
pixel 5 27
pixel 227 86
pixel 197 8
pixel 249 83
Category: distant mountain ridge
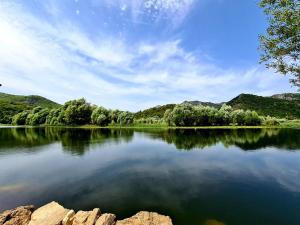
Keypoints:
pixel 13 104
pixel 286 105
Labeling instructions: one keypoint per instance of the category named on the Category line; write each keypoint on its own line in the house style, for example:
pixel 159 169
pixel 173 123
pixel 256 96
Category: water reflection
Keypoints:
pixel 216 181
pixel 78 141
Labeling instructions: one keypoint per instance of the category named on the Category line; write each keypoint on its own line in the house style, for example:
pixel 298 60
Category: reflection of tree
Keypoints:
pixel 246 139
pixel 23 137
pixel 73 140
pixel 78 141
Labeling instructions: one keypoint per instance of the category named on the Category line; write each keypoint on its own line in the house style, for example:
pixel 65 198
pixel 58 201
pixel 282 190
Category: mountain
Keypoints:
pixel 272 106
pixel 287 96
pixel 154 111
pixel 13 104
pixel 285 105
pixel 216 105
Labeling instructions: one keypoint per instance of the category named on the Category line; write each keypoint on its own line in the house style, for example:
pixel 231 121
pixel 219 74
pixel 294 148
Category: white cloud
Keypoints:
pixel 174 11
pixel 61 62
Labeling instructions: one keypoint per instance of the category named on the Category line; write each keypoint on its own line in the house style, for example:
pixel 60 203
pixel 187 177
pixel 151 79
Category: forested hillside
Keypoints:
pixel 271 106
pixel 13 104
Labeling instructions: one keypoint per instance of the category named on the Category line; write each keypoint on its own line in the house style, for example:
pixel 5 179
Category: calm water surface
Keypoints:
pixel 235 177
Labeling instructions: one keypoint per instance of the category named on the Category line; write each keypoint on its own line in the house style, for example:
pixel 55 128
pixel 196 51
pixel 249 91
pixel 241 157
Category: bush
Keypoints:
pixel 271 121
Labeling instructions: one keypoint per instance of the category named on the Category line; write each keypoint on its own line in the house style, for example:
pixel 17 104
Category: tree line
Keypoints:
pixel 80 112
pixel 75 112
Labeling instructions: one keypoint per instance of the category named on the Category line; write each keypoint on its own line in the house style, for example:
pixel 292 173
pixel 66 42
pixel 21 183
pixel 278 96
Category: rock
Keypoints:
pixel 86 217
pixel 93 217
pixel 81 217
pixel 50 214
pixel 68 219
pixel 146 218
pixel 17 216
pixel 106 219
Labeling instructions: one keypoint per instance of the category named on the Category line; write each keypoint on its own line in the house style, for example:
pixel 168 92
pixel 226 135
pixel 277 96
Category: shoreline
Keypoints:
pixel 55 214
pixel 284 126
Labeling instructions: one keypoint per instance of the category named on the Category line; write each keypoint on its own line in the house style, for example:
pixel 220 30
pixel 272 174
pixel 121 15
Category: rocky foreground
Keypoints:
pixel 55 214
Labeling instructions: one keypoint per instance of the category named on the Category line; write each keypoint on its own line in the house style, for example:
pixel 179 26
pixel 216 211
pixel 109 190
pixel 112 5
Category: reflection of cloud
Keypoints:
pixel 11 188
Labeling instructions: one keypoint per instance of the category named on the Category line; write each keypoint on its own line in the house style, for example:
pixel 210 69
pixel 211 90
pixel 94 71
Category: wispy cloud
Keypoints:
pixel 62 62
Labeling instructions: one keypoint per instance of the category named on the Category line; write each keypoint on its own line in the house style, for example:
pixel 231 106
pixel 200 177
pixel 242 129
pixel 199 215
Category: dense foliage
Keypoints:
pixel 75 112
pixel 198 115
pixel 280 45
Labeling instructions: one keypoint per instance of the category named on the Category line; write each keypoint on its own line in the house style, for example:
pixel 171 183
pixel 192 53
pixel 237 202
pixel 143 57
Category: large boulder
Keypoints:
pixel 106 219
pixel 146 218
pixel 17 216
pixel 50 214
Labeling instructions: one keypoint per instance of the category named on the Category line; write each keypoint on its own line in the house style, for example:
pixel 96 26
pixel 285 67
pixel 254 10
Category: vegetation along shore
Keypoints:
pixel 242 111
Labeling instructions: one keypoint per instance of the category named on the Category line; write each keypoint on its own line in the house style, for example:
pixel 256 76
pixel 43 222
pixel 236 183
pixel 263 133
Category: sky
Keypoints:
pixel 134 54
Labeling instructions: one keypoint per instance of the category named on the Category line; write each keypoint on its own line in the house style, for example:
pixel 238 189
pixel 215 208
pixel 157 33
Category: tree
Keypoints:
pixel 167 117
pixel 37 117
pixel 77 112
pixel 125 118
pixel 100 116
pixel 55 117
pixel 20 118
pixel 280 45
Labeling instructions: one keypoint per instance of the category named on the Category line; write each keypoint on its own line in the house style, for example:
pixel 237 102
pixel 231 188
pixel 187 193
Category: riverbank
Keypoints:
pixel 55 214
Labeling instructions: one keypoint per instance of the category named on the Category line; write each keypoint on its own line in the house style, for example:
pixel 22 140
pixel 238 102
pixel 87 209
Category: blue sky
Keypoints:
pixel 133 54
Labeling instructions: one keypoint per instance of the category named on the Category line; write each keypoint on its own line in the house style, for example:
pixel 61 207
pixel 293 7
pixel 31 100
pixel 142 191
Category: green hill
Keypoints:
pixel 285 105
pixel 157 111
pixel 272 106
pixel 13 104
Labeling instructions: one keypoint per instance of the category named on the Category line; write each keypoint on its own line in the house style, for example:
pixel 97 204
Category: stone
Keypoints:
pixel 68 219
pixel 81 217
pixel 94 215
pixel 106 219
pixel 18 216
pixel 49 214
pixel 146 218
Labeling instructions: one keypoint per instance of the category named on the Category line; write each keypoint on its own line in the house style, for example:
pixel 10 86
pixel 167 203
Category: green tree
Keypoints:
pixel 167 117
pixel 37 117
pixel 125 118
pixel 76 112
pixel 20 118
pixel 55 116
pixel 280 45
pixel 100 116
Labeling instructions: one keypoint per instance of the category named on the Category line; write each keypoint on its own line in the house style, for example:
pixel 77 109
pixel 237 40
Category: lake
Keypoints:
pixel 196 176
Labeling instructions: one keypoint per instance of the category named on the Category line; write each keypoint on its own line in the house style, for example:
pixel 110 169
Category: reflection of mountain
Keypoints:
pixel 77 141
